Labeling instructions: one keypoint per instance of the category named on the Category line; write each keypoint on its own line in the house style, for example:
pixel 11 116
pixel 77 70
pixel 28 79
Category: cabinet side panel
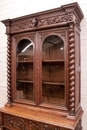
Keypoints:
pixel 77 68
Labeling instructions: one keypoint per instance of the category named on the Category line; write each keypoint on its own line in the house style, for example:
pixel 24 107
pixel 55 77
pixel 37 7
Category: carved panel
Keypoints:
pixel 61 34
pixel 55 20
pixel 42 22
pixel 18 123
pixel 25 36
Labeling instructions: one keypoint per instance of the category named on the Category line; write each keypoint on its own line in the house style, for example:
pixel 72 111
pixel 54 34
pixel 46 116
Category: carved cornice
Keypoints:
pixel 55 17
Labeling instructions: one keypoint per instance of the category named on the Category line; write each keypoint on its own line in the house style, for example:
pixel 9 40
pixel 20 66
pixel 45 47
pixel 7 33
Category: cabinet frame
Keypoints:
pixel 65 21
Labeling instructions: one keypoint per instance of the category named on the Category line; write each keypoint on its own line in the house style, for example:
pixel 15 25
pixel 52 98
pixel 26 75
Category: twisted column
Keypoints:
pixel 72 69
pixel 8 69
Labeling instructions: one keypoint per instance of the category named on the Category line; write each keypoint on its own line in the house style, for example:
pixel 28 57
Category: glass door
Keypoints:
pixel 53 71
pixel 24 70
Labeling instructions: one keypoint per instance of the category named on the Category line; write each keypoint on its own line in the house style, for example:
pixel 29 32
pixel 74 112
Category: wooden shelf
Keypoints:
pixel 25 61
pixel 53 61
pixel 53 83
pixel 24 81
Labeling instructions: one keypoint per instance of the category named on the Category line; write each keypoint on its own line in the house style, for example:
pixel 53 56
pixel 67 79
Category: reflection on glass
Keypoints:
pixel 53 70
pixel 24 68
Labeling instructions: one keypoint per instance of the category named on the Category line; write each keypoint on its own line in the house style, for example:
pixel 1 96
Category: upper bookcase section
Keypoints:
pixel 61 16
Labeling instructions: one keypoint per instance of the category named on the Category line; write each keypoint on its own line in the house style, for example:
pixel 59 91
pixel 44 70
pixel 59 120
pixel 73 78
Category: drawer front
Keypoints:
pixel 17 123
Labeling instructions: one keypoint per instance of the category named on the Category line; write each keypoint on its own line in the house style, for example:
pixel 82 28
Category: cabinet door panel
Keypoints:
pixel 24 68
pixel 53 70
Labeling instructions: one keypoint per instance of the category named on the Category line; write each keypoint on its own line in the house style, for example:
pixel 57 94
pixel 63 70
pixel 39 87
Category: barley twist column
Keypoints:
pixel 8 69
pixel 72 69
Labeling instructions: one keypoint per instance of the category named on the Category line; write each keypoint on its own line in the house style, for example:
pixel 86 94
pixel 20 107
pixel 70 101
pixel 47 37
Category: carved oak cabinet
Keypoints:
pixel 43 71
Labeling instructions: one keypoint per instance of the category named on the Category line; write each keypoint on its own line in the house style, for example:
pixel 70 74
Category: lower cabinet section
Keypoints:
pixel 10 122
pixel 17 123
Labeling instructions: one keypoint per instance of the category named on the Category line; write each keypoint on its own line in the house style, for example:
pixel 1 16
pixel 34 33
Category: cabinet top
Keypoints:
pixel 61 16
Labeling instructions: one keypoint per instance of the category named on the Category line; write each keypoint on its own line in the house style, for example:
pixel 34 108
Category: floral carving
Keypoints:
pixel 55 20
pixel 30 37
pixel 42 22
pixel 60 34
pixel 24 124
pixel 14 122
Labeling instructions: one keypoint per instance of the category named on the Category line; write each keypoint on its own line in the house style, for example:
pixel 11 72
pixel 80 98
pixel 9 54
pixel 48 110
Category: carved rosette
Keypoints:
pixel 8 69
pixel 72 69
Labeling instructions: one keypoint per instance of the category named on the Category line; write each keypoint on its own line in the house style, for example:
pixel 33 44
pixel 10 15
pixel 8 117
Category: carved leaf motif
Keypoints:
pixel 14 122
pixel 59 19
pixel 25 124
pixel 60 34
pixel 42 22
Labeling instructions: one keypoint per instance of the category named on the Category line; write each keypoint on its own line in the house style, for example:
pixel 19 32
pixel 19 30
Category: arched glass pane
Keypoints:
pixel 53 85
pixel 24 68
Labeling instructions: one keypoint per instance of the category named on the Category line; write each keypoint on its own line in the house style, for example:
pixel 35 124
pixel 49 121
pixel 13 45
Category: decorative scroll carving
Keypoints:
pixel 60 34
pixel 55 20
pixel 8 69
pixel 79 127
pixel 42 22
pixel 24 124
pixel 72 68
pixel 30 37
pixel 14 122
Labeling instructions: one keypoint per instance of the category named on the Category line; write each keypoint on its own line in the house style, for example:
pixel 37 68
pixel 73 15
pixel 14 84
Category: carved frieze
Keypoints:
pixel 55 20
pixel 33 23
